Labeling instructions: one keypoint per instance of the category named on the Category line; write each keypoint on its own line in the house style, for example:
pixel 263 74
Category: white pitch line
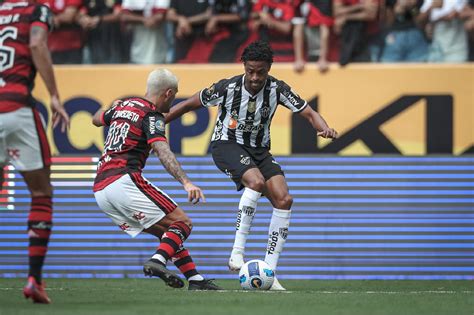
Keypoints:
pixel 276 292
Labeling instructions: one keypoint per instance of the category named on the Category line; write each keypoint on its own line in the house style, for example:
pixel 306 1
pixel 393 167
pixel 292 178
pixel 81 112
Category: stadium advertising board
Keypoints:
pixel 388 109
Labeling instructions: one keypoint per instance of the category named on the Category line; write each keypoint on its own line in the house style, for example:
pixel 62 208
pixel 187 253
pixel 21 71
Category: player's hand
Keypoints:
pixel 59 113
pixel 328 133
pixel 195 193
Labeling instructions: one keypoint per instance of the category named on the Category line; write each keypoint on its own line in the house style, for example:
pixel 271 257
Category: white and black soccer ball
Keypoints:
pixel 256 275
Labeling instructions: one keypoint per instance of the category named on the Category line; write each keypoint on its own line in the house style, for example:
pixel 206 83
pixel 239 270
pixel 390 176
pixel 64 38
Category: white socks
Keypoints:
pixel 247 206
pixel 277 235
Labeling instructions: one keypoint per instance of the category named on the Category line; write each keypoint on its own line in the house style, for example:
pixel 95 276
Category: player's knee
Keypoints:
pixel 284 202
pixel 256 184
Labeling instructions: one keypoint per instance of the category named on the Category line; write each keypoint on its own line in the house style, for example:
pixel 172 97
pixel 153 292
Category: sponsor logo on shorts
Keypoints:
pixel 14 154
pixel 124 227
pixel 245 160
pixel 138 215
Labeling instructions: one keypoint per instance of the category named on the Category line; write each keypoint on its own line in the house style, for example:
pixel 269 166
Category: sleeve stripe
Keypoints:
pixel 40 24
pixel 301 108
pixel 150 141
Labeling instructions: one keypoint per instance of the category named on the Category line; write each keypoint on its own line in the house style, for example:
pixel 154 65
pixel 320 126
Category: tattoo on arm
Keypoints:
pixel 168 159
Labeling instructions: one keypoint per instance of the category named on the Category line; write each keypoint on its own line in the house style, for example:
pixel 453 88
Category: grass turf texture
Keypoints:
pixel 151 296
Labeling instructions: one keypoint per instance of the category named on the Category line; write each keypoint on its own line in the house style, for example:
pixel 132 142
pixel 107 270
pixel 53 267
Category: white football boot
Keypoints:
pixel 276 286
pixel 236 260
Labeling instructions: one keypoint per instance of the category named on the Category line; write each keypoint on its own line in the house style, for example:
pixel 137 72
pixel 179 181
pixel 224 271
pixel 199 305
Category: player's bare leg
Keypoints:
pixel 39 230
pixel 184 262
pixel 253 181
pixel 276 190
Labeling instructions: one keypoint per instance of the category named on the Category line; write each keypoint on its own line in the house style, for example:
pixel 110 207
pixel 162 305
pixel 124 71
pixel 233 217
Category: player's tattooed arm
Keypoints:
pixel 172 166
pixel 168 159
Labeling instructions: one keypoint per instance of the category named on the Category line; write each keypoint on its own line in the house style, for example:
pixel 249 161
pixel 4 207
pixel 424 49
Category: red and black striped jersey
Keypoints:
pixel 134 126
pixel 17 71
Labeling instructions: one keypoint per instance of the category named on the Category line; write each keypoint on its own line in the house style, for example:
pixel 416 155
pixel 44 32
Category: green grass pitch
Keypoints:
pixel 151 296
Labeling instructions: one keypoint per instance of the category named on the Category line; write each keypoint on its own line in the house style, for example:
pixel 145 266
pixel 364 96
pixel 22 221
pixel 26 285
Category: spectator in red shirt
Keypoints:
pixel 311 29
pixel 65 41
pixel 271 21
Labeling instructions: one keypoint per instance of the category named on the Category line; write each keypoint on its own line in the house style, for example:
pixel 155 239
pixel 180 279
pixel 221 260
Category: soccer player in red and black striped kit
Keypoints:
pixel 24 30
pixel 132 202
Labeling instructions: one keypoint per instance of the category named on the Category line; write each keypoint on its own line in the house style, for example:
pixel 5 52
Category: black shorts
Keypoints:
pixel 235 159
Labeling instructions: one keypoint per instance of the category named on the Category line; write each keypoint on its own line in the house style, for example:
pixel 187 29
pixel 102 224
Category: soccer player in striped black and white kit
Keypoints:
pixel 240 144
pixel 24 28
pixel 136 126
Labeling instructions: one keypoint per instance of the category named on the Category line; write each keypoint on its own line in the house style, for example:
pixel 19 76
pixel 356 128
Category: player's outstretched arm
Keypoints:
pixel 42 61
pixel 97 118
pixel 318 123
pixel 172 166
pixel 178 110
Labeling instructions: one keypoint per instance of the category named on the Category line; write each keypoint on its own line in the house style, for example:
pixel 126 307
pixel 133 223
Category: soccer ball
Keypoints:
pixel 256 275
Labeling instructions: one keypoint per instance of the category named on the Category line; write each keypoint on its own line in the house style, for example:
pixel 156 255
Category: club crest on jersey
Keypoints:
pixel 252 105
pixel 265 112
pixel 160 125
pixel 245 160
pixel 283 233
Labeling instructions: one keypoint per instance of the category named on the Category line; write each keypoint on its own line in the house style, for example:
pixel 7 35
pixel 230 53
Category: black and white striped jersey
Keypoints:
pixel 246 118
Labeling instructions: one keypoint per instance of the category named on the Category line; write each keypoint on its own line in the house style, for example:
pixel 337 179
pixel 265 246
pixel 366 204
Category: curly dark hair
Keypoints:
pixel 258 51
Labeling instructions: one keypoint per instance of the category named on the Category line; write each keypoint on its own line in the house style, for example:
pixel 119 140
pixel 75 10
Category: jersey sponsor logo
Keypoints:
pixel 291 98
pixel 249 128
pixel 152 125
pixel 245 160
pixel 160 125
pixel 232 123
pixel 8 19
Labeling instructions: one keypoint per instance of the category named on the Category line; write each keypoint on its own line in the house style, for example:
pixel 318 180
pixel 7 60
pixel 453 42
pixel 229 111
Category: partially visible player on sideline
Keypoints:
pixel 24 50
pixel 137 126
pixel 241 142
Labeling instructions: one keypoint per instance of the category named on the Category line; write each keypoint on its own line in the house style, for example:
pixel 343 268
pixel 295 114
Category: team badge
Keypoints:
pixel 160 125
pixel 265 112
pixel 245 160
pixel 252 105
pixel 283 233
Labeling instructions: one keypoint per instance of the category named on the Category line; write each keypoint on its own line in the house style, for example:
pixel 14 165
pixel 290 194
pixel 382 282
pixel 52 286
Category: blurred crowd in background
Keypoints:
pixel 215 31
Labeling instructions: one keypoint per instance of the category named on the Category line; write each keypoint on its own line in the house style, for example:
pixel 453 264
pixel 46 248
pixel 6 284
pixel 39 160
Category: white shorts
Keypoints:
pixel 23 140
pixel 134 204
